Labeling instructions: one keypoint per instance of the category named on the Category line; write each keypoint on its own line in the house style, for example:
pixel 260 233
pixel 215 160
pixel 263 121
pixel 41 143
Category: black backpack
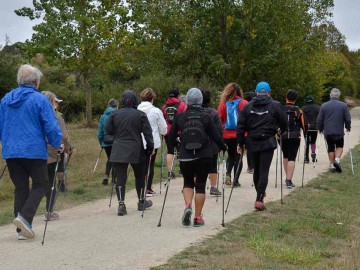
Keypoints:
pixel 170 110
pixel 293 117
pixel 193 135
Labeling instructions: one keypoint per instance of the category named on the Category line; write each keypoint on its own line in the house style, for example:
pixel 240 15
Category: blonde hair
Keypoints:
pixel 50 95
pixel 230 91
pixel 147 94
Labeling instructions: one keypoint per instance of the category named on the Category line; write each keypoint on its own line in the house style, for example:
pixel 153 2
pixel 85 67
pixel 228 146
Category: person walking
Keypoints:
pixel 197 129
pixel 311 112
pixel 172 106
pixel 112 106
pixel 332 118
pixel 27 124
pixel 127 125
pixel 52 159
pixel 291 138
pixel 249 156
pixel 213 172
pixel 231 104
pixel 158 126
pixel 261 118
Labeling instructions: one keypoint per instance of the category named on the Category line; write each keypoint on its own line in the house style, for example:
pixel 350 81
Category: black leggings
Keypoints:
pixel 108 163
pixel 121 178
pixel 311 137
pixel 262 162
pixel 233 156
pixel 151 173
pixel 199 169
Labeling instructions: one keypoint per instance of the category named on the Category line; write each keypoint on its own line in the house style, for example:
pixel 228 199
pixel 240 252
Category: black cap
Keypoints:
pixel 174 92
pixel 309 99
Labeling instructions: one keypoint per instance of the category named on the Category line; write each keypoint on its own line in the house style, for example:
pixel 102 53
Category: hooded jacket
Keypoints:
pixel 173 100
pixel 101 130
pixel 127 125
pixel 261 118
pixel 27 123
pixel 311 112
pixel 156 120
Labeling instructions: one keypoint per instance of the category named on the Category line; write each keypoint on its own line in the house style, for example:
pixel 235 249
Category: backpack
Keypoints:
pixel 170 110
pixel 293 116
pixel 193 135
pixel 232 113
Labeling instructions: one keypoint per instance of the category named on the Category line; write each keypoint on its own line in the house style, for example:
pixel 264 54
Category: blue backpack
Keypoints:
pixel 232 113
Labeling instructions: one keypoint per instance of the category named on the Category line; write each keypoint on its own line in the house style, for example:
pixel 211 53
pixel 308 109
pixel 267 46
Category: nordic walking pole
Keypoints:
pixel 351 157
pixel 223 191
pixel 2 173
pixel 218 175
pixel 163 149
pixel 51 197
pixel 96 163
pixel 237 175
pixel 303 169
pixel 166 191
pixel 281 165
pixel 276 169
pixel 146 183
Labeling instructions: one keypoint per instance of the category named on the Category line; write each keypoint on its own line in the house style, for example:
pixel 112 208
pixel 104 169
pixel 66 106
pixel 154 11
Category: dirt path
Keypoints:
pixel 92 236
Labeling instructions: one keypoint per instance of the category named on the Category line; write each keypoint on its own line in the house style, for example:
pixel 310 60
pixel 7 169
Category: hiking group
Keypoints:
pixel 34 138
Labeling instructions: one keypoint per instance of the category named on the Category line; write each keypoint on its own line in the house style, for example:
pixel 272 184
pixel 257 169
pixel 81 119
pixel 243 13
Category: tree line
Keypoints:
pixel 93 50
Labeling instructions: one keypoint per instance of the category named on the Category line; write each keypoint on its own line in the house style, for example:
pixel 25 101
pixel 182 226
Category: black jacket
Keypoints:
pixel 127 125
pixel 261 119
pixel 210 129
pixel 311 113
pixel 215 115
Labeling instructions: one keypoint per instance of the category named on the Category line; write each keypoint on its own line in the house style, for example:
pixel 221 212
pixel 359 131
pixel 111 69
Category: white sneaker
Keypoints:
pixel 21 236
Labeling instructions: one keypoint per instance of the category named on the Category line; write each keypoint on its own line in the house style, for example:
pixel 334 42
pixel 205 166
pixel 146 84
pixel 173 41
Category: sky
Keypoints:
pixel 20 28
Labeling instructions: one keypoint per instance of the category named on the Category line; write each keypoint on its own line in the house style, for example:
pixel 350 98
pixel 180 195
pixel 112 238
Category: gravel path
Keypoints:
pixel 92 236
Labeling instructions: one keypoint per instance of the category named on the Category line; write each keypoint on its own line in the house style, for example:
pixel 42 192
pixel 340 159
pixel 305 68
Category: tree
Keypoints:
pixel 83 36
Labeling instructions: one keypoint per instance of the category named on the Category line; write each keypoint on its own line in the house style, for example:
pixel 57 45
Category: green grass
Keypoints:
pixel 317 227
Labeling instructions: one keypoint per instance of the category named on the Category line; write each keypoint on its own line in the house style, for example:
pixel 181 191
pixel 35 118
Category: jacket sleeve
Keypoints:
pixel 281 117
pixel 100 132
pixel 162 126
pixel 222 113
pixel 320 119
pixel 347 118
pixel 50 125
pixel 241 127
pixel 213 131
pixel 182 107
pixel 147 132
pixel 172 135
pixel 217 123
pixel 109 125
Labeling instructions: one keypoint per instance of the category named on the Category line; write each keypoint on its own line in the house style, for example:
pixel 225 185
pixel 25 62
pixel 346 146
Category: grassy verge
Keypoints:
pixel 81 166
pixel 317 227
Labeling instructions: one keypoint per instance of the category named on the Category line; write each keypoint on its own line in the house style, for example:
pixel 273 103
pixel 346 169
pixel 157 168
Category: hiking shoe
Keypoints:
pixel 228 180
pixel 215 191
pixel 289 184
pixel 313 157
pixel 332 168
pixel 105 182
pixel 250 171
pixel 21 236
pixel 337 167
pixel 186 219
pixel 62 186
pixel 144 205
pixel 259 205
pixel 237 184
pixel 306 160
pixel 171 175
pixel 199 221
pixel 122 209
pixel 150 193
pixel 51 216
pixel 24 226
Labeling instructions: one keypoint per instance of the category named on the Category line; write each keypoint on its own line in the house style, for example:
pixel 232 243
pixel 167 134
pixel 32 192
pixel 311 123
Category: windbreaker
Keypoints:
pixel 101 130
pixel 172 100
pixel 27 123
pixel 156 120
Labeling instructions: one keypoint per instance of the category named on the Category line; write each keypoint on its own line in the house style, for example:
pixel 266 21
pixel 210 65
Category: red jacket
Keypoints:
pixel 172 100
pixel 229 134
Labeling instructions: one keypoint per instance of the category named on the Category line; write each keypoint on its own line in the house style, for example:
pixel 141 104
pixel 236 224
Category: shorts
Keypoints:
pixel 290 148
pixel 333 142
pixel 214 164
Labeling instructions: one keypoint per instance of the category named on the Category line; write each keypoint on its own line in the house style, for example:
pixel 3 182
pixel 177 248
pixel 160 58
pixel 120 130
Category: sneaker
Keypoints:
pixel 172 175
pixel 21 236
pixel 313 157
pixel 215 191
pixel 306 160
pixel 24 226
pixel 199 221
pixel 237 184
pixel 251 171
pixel 51 216
pixel 228 180
pixel 259 205
pixel 186 219
pixel 337 166
pixel 289 184
pixel 122 209
pixel 62 186
pixel 150 193
pixel 144 205
pixel 332 168
pixel 105 182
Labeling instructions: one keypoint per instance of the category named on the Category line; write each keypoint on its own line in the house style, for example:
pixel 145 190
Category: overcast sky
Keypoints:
pixel 20 28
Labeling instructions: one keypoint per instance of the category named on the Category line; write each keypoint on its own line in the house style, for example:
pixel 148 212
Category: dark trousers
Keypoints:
pixel 108 163
pixel 311 137
pixel 196 169
pixel 27 199
pixel 250 159
pixel 233 156
pixel 121 178
pixel 51 175
pixel 262 162
pixel 151 172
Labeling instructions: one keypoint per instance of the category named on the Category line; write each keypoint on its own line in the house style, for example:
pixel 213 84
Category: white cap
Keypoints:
pixel 58 100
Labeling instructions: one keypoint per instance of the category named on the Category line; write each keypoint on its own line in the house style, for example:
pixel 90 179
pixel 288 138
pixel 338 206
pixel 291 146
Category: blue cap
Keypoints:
pixel 263 88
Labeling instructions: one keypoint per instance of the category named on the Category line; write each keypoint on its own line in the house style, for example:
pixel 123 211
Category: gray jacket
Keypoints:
pixel 332 117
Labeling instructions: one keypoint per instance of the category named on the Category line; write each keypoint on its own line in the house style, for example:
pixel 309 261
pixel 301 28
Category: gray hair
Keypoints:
pixel 335 93
pixel 28 74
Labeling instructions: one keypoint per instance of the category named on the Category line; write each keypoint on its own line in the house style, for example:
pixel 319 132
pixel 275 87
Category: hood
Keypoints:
pixel 19 95
pixel 261 100
pixel 145 106
pixel 129 99
pixel 109 110
pixel 172 100
pixel 194 97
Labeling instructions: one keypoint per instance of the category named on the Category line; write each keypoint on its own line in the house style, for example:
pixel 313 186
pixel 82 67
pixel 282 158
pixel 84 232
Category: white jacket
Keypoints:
pixel 156 119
